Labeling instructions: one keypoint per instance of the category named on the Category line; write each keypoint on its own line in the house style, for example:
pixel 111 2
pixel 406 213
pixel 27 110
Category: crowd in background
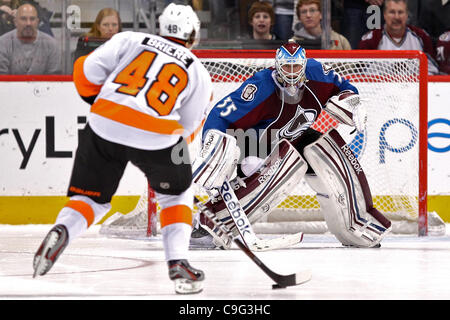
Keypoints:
pixel 28 45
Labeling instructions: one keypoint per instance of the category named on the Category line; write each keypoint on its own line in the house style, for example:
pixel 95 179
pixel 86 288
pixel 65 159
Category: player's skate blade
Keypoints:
pixel 199 232
pixel 205 243
pixel 187 279
pixel 53 245
pixel 201 239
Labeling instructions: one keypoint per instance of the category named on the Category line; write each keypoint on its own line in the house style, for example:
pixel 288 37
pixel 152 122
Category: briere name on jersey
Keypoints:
pixel 173 51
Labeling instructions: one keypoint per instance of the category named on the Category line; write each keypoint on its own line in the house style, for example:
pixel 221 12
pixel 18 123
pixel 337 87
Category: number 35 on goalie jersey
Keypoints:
pixel 147 91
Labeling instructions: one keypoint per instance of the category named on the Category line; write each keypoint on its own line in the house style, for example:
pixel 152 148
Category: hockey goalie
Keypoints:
pixel 258 143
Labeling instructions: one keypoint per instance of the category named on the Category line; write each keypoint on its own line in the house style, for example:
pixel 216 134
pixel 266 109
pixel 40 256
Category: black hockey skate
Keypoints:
pixel 187 279
pixel 53 245
pixel 199 232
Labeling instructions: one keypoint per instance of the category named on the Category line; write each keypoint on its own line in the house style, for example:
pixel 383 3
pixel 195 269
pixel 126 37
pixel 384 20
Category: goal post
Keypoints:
pixel 393 148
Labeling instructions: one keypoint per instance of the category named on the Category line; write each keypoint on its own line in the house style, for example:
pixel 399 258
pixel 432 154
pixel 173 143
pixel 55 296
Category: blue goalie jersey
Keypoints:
pixel 258 105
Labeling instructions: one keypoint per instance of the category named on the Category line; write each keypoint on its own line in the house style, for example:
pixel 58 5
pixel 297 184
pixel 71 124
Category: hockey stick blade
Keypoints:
pixel 282 281
pixel 277 243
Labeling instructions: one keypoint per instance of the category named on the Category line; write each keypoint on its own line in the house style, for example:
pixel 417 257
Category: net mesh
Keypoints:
pixel 389 146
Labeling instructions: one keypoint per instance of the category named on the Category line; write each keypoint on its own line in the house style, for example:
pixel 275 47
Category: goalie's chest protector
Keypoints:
pixel 293 119
pixel 258 105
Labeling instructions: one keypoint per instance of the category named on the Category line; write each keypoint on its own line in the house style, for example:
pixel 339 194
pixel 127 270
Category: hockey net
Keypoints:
pixel 392 150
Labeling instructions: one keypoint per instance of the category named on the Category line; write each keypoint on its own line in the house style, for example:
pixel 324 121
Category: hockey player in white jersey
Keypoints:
pixel 148 93
pixel 279 105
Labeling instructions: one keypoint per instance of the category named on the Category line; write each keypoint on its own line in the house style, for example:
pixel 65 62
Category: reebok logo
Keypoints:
pixel 235 209
pixel 206 146
pixel 273 168
pixel 351 157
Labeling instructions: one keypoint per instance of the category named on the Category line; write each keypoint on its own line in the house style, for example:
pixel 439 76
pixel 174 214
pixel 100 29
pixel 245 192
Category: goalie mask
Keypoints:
pixel 290 64
pixel 180 22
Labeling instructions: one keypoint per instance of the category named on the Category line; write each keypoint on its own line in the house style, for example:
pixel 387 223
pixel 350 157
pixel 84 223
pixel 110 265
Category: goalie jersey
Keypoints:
pixel 259 104
pixel 146 91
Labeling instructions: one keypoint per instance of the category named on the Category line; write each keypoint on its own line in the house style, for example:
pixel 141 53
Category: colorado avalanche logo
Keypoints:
pixel 302 120
pixel 248 94
pixel 326 69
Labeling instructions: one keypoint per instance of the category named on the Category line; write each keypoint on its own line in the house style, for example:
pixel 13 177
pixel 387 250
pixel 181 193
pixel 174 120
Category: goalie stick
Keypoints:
pixel 244 227
pixel 282 281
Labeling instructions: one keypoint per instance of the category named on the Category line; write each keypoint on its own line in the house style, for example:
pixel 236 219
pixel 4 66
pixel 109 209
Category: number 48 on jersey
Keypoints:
pixel 162 93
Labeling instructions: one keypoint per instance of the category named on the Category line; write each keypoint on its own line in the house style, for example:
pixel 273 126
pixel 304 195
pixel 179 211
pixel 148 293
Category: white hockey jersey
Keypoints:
pixel 149 90
pixel 413 39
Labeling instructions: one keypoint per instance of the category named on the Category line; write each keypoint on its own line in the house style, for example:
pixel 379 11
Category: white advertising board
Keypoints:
pixel 38 138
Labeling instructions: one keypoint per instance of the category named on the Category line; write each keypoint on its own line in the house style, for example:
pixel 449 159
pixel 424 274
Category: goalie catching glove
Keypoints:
pixel 347 109
pixel 216 161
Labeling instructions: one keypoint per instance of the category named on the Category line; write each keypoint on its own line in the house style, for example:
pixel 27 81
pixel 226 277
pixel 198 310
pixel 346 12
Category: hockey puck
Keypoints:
pixel 277 286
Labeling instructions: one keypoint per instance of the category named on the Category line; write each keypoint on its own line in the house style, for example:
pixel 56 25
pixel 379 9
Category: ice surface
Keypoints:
pixel 95 267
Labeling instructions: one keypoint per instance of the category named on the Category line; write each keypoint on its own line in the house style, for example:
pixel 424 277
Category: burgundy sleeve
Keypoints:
pixel 370 40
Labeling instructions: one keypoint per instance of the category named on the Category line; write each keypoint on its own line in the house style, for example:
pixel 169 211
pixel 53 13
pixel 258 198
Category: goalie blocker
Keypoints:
pixel 343 193
pixel 216 160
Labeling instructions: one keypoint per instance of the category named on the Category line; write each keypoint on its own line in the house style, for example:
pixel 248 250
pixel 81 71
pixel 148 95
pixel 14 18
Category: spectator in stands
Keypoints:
pixel 354 21
pixel 443 52
pixel 397 35
pixel 284 17
pixel 261 18
pixel 44 16
pixel 309 13
pixel 26 50
pixel 106 24
pixel 434 17
pixel 8 9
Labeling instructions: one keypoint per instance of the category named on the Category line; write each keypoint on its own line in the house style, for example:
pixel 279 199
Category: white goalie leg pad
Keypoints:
pixel 216 160
pixel 266 188
pixel 343 193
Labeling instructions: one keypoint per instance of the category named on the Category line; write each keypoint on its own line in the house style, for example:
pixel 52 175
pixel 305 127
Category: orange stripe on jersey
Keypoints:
pixel 83 208
pixel 175 214
pixel 196 131
pixel 134 118
pixel 84 87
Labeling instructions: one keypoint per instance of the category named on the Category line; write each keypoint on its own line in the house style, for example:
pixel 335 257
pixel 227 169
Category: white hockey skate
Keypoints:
pixel 53 245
